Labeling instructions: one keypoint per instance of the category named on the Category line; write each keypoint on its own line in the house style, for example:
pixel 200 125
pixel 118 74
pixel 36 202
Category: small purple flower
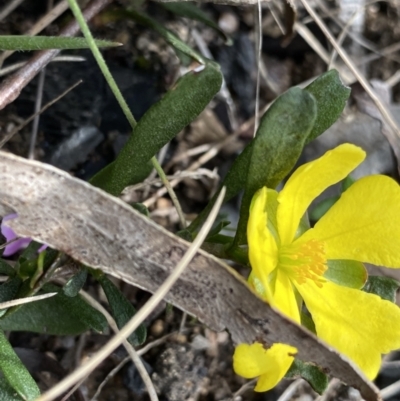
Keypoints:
pixel 10 235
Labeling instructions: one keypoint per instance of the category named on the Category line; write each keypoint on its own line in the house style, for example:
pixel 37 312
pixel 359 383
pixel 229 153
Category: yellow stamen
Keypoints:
pixel 304 262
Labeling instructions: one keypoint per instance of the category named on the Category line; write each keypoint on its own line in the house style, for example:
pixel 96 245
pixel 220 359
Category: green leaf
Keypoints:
pixel 17 42
pixel 192 11
pixel 75 283
pixel 27 264
pixel 141 208
pixel 59 315
pixel 331 96
pixel 269 157
pixel 121 309
pixel 347 183
pixel 218 227
pixel 6 269
pixel 7 393
pixel 322 207
pixel 317 379
pixel 169 36
pixel 348 273
pixel 8 291
pixel 278 144
pixel 15 372
pixel 385 287
pixel 161 123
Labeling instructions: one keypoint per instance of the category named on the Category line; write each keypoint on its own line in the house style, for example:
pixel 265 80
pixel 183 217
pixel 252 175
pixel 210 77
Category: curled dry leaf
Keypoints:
pixel 103 232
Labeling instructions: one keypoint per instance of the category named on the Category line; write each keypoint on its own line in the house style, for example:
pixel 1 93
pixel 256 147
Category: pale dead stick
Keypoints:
pixel 148 307
pixel 386 114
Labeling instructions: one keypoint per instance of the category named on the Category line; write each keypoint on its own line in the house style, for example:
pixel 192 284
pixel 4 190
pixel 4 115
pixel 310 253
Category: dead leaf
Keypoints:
pixel 103 232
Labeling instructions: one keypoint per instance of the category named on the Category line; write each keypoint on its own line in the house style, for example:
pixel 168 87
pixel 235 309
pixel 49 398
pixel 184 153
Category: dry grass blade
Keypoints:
pixel 142 314
pixel 101 231
pixel 364 83
pixel 13 67
pixel 27 300
pixel 131 351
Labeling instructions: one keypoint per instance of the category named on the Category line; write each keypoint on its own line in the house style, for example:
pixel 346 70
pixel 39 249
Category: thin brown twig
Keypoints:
pixel 117 368
pixel 8 136
pixel 133 355
pixel 43 22
pixel 9 8
pixel 12 86
pixel 16 66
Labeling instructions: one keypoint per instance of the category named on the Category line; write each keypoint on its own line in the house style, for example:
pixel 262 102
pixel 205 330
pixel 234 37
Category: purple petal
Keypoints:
pixel 9 234
pixel 16 246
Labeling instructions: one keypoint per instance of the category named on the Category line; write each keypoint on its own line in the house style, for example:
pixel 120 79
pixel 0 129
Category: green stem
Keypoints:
pixel 100 61
pixel 118 95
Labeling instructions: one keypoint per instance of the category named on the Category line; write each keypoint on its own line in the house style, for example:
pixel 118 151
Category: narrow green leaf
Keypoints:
pixel 278 144
pixel 161 123
pixel 385 287
pixel 347 183
pixel 121 309
pixel 59 315
pixel 331 96
pixel 168 35
pixel 322 207
pixel 7 393
pixel 75 283
pixel 6 269
pixel 317 379
pixel 15 372
pixel 215 231
pixel 348 273
pixel 141 208
pixel 192 11
pixel 47 42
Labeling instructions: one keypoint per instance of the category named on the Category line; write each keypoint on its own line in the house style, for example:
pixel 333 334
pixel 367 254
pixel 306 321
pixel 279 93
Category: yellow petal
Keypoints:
pixel 309 181
pixel 364 224
pixel 263 251
pixel 362 326
pixel 270 365
pixel 284 298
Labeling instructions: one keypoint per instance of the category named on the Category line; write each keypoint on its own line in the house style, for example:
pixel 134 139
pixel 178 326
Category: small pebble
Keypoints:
pixel 228 22
pixel 158 327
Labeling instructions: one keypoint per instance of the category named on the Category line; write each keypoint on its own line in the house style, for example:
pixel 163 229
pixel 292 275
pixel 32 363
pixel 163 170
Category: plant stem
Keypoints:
pixel 100 61
pixel 118 95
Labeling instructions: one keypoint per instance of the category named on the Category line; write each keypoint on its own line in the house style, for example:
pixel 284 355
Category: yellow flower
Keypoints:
pixel 288 267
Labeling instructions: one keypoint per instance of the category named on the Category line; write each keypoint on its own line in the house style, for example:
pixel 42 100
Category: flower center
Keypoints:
pixel 304 262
